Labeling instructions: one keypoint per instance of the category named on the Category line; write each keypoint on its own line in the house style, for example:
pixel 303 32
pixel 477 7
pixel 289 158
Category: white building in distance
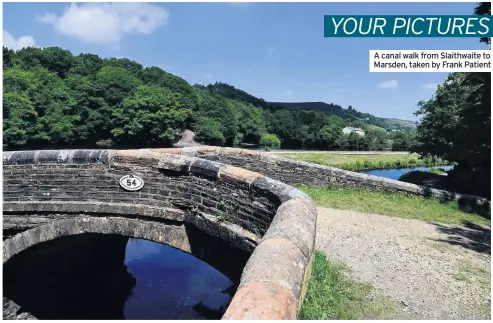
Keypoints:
pixel 358 131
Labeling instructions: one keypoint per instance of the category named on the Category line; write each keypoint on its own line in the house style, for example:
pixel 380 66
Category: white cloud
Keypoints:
pixel 11 43
pixel 392 84
pixel 431 86
pixel 107 22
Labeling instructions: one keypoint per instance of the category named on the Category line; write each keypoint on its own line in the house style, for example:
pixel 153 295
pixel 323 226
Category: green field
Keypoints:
pixel 393 204
pixel 364 162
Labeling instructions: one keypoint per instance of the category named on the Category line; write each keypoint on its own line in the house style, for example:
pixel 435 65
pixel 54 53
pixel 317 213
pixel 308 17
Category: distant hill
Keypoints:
pixel 329 108
pixel 349 114
pixel 401 123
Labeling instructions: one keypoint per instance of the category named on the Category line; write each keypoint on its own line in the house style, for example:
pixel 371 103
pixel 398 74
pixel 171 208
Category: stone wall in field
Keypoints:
pixel 298 172
pixel 51 194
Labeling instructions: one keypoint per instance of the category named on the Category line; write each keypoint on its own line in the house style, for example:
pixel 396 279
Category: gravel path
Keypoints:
pixel 432 271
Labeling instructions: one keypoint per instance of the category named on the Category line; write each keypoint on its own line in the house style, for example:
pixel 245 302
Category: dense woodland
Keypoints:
pixel 456 126
pixel 53 98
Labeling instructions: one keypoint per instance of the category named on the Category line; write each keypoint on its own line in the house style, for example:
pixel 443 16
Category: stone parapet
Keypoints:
pixel 49 194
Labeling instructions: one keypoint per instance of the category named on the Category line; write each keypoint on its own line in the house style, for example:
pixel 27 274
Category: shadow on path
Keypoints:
pixel 468 235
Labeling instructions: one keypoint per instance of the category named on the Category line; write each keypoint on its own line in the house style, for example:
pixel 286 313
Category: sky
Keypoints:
pixel 275 51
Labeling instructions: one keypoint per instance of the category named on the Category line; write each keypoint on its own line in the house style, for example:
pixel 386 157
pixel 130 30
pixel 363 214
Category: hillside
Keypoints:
pixel 330 109
pixel 348 114
pixel 52 98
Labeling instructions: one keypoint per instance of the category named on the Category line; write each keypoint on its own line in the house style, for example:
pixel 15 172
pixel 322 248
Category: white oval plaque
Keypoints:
pixel 131 182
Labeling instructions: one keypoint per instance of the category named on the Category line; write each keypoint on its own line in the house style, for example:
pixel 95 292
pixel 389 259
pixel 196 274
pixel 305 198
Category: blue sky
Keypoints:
pixel 272 50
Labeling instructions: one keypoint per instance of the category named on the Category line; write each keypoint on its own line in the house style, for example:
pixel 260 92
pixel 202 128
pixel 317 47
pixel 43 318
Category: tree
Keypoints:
pixel 401 142
pixel 354 141
pixel 329 136
pixel 250 121
pixel 124 63
pixel 151 116
pixel 483 8
pixel 8 57
pixel 456 124
pixel 87 101
pixel 156 76
pixel 86 64
pixel 95 116
pixel 57 60
pixel 439 118
pixel 209 131
pixel 19 119
pixel 270 140
pixel 114 84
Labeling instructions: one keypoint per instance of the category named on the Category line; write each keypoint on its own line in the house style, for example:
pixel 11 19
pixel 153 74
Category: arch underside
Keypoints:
pixel 212 249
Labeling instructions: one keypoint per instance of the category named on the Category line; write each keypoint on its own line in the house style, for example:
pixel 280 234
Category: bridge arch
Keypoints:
pixel 184 237
pixel 48 194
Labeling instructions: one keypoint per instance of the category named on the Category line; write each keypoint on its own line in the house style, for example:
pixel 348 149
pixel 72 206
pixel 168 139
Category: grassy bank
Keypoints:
pixel 365 162
pixel 394 204
pixel 333 295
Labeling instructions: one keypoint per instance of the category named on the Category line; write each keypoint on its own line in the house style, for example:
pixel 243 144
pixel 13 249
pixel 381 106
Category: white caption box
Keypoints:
pixel 430 61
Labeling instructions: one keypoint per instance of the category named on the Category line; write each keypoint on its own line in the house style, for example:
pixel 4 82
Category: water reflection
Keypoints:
pixel 172 284
pixel 92 276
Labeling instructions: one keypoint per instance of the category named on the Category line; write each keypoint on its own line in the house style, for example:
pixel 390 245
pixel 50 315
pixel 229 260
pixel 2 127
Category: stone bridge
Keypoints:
pixel 194 199
pixel 187 202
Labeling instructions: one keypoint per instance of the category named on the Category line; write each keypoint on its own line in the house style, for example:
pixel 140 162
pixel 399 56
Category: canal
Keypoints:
pixel 396 173
pixel 91 276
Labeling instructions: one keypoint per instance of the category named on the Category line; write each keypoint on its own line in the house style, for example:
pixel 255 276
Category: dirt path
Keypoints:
pixel 432 271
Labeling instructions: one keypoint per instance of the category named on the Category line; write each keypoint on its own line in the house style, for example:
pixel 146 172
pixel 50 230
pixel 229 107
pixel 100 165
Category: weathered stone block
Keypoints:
pixel 238 175
pixel 177 163
pixel 270 187
pixel 206 168
pixel 189 151
pixel 262 301
pixel 295 221
pixel 286 270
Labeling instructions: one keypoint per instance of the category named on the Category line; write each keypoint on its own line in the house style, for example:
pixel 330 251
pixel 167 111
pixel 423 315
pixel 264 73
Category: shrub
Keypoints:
pixel 420 178
pixel 270 140
pixel 358 165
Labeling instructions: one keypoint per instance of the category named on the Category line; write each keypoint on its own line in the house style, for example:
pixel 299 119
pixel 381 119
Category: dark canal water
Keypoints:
pixel 398 172
pixel 93 276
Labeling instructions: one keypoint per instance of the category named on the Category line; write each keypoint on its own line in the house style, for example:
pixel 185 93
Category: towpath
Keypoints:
pixel 430 270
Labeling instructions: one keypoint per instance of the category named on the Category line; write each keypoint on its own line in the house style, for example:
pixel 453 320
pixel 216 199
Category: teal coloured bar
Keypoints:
pixel 408 26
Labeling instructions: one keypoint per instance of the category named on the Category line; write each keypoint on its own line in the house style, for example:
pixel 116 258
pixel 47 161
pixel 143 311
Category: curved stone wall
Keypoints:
pixel 49 194
pixel 298 172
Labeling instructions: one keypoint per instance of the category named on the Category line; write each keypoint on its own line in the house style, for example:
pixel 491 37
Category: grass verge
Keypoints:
pixel 394 204
pixel 333 295
pixel 365 162
pixel 437 170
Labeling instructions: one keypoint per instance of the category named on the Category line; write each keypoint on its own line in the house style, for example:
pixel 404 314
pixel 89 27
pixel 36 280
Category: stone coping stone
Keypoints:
pixel 385 183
